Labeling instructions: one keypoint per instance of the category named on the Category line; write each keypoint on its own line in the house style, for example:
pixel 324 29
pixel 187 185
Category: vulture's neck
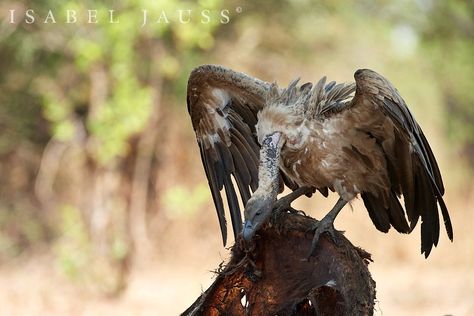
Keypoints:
pixel 268 171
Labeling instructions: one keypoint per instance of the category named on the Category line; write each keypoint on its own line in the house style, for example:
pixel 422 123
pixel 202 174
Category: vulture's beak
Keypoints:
pixel 248 231
pixel 259 207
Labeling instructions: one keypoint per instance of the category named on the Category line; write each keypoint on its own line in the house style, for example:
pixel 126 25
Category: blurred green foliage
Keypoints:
pixel 73 248
pixel 87 92
pixel 122 105
pixel 449 38
pixel 181 201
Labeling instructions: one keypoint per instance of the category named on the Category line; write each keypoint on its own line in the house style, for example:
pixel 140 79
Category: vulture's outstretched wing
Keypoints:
pixel 223 105
pixel 412 167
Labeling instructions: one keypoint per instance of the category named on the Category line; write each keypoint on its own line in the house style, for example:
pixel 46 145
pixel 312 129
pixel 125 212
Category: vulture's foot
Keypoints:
pixel 326 225
pixel 284 203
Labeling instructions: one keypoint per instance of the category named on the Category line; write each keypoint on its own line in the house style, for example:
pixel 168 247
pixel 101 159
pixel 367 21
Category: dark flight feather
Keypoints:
pixel 377 212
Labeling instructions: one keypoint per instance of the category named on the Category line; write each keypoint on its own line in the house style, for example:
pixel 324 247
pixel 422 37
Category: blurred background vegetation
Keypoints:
pixel 98 160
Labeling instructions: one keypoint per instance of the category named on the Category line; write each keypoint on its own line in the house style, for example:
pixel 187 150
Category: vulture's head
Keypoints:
pixel 257 211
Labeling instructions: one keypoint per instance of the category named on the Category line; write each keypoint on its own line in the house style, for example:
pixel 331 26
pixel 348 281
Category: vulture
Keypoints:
pixel 355 139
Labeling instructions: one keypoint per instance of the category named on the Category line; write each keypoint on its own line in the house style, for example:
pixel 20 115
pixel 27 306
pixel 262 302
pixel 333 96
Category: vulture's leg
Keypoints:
pixel 327 224
pixel 284 203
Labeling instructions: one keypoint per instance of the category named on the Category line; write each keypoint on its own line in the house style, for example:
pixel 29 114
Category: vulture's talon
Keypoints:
pixel 280 208
pixel 284 203
pixel 288 210
pixel 312 228
pixel 323 226
pixel 297 212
